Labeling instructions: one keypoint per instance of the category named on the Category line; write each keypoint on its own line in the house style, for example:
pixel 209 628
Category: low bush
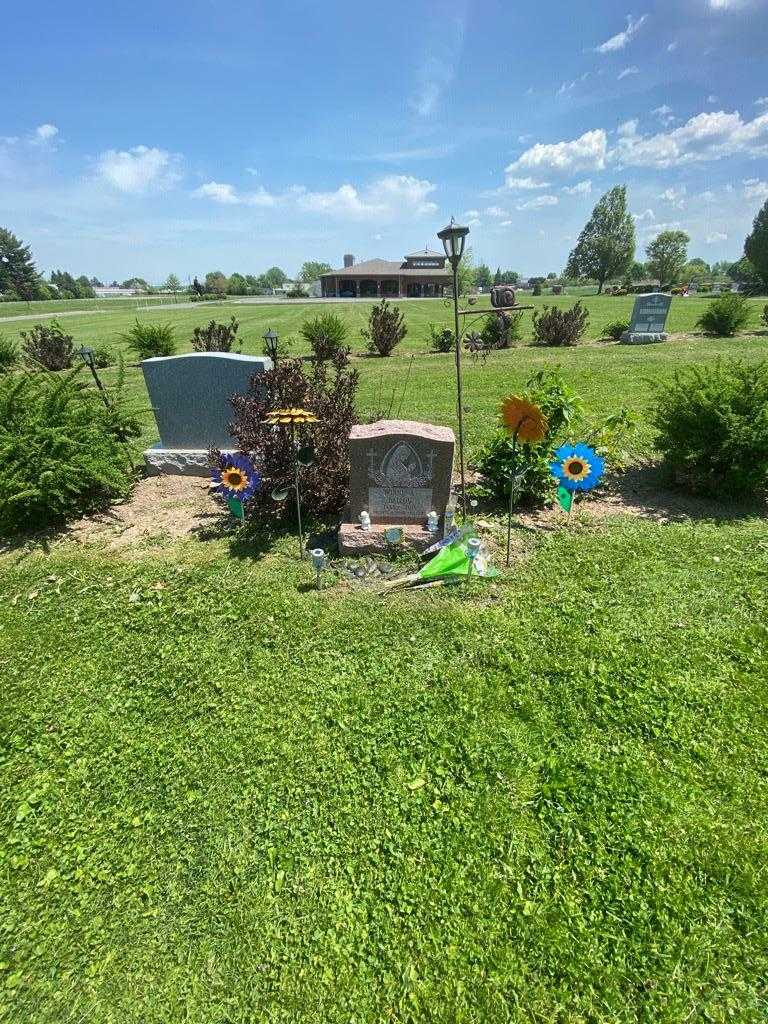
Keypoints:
pixel 215 336
pixel 536 289
pixel 386 329
pixel 553 326
pixel 297 293
pixel 713 427
pixel 615 329
pixel 9 354
pixel 62 451
pixel 325 335
pixel 764 315
pixel 328 390
pixel 497 333
pixel 149 340
pixel 441 338
pixel 205 297
pixel 47 347
pixel 725 315
pixel 103 357
pixel 563 410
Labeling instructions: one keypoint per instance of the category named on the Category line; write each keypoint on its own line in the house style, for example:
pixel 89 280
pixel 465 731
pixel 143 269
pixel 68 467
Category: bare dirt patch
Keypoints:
pixel 160 509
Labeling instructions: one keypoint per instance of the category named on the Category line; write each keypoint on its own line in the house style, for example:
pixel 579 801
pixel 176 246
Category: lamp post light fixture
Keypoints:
pixel 87 355
pixel 271 344
pixel 454 237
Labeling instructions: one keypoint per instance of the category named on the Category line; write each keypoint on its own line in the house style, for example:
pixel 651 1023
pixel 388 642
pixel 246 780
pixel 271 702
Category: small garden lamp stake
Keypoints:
pixel 453 238
pixel 318 562
pixel 86 354
pixel 271 343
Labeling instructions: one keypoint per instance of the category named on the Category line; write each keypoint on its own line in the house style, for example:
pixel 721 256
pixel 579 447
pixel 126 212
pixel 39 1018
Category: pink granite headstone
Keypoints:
pixel 401 470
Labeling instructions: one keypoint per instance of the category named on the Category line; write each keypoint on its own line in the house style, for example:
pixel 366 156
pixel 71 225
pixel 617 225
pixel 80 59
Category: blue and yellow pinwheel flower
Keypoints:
pixel 235 477
pixel 577 467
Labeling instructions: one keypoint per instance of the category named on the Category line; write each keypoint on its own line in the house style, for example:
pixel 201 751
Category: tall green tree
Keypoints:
pixel 667 255
pixel 312 269
pixel 606 246
pixel 172 284
pixel 17 268
pixel 275 277
pixel 745 276
pixel 497 276
pixel 483 276
pixel 85 288
pixel 216 282
pixel 65 284
pixel 756 244
pixel 237 285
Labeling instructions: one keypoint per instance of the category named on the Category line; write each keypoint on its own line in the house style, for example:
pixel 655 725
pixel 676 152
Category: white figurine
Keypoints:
pixel 365 521
pixel 432 522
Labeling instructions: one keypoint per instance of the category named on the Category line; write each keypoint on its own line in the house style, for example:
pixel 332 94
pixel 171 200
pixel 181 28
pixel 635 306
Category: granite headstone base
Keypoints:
pixel 642 338
pixel 179 461
pixel 354 540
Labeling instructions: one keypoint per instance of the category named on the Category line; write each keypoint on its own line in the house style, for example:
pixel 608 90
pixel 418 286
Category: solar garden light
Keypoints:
pixel 271 344
pixel 454 237
pixel 318 562
pixel 473 550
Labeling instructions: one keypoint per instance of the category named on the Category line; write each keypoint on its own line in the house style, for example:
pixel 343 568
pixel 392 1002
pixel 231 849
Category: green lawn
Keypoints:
pixel 285 317
pixel 227 798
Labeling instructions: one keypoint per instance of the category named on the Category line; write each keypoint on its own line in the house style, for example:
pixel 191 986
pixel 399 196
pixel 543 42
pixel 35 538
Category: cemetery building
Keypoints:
pixel 421 275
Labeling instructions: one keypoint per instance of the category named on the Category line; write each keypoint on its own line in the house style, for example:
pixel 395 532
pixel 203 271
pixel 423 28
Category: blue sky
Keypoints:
pixel 184 137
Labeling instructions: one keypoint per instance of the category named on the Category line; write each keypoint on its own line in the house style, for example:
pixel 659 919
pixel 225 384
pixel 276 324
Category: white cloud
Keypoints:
pixel 672 47
pixel 762 101
pixel 675 196
pixel 393 195
pixel 495 211
pixel 633 70
pixel 506 223
pixel 227 195
pixel 664 114
pixel 620 40
pixel 755 189
pixel 567 87
pixel 707 136
pixel 628 128
pixel 471 213
pixel 648 215
pixel 218 192
pixel 712 98
pixel 438 67
pixel 138 169
pixel 587 153
pixel 716 236
pixel 581 188
pixel 524 183
pixel 538 203
pixel 46 132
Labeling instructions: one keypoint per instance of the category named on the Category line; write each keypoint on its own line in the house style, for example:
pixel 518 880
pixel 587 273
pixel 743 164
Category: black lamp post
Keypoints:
pixel 271 343
pixel 87 355
pixel 453 238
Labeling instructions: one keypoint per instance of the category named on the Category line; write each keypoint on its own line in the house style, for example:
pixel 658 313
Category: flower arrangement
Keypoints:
pixel 576 467
pixel 236 479
pixel 525 421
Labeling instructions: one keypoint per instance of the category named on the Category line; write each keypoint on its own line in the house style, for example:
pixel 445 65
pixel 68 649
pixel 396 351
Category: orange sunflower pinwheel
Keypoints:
pixel 290 417
pixel 523 419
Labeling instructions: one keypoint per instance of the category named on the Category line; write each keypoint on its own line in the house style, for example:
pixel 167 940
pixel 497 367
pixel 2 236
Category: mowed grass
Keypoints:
pixel 107 327
pixel 228 798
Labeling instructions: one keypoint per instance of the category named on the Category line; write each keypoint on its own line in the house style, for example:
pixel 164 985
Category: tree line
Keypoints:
pixel 605 251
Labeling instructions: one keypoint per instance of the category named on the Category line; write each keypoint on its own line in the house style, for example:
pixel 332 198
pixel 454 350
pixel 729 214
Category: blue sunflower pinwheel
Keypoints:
pixel 577 467
pixel 236 479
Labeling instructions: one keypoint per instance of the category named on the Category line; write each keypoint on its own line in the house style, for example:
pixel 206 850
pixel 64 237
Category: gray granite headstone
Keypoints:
pixel 400 472
pixel 649 319
pixel 190 396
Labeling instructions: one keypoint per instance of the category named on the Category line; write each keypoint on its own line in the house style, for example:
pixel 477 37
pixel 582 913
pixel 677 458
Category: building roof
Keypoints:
pixel 385 268
pixel 429 254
